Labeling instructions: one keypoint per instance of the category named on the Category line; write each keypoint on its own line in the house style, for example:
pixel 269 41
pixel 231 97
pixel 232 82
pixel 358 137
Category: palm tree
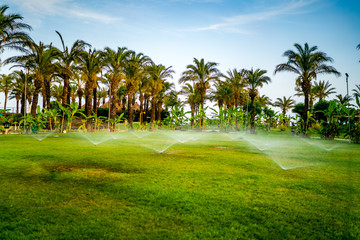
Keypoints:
pixel 202 74
pixel 255 79
pixel 312 96
pixel 222 94
pixel 133 73
pixel 18 88
pixel 356 90
pixel 11 30
pixel 68 58
pixel 358 47
pixel 77 81
pixel 307 63
pixel 171 99
pixel 121 94
pixel 39 59
pixel 236 81
pixel 343 100
pixel 263 101
pixel 90 65
pixel 158 75
pixel 193 98
pixel 166 89
pixel 57 92
pixel 115 62
pixel 323 89
pixel 284 104
pixel 102 94
pixel 73 93
pixel 5 85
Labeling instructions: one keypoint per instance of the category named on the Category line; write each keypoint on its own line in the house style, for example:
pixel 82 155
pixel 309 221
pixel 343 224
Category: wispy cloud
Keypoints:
pixel 234 23
pixel 63 8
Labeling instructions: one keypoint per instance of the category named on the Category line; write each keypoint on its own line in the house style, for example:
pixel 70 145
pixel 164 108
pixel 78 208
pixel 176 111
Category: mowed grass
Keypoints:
pixel 202 186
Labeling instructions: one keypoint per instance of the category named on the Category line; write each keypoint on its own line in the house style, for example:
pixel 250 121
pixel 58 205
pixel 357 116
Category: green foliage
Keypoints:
pixel 104 112
pixel 331 128
pixel 353 132
pixel 229 119
pixel 114 122
pixel 319 109
pixel 299 109
pixel 176 118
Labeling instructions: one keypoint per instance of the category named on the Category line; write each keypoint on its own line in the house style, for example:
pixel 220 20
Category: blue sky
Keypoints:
pixel 235 34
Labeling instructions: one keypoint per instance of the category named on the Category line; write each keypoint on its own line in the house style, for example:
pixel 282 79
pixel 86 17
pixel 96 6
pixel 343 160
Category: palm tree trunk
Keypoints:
pixel 146 107
pixel 252 115
pixel 306 87
pixel 22 102
pixel 141 99
pixel 47 93
pixel 192 107
pixel 80 102
pixel 65 89
pixel 130 112
pixel 35 101
pixel 114 85
pixel 95 100
pixel 88 106
pixel 202 106
pixel 159 106
pixel 6 97
pixel 153 106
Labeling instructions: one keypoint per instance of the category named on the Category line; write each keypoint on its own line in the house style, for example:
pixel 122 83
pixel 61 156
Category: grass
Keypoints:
pixel 212 187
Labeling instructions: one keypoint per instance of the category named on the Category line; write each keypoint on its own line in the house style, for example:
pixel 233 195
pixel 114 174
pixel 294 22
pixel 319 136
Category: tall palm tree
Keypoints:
pixel 18 88
pixel 158 75
pixel 358 47
pixel 222 94
pixel 133 73
pixel 202 74
pixel 255 79
pixel 307 63
pixel 143 90
pixel 284 104
pixel 90 66
pixel 6 85
pixel 323 89
pixel 39 59
pixel 236 81
pixel 115 62
pixel 67 61
pixel 166 89
pixel 12 28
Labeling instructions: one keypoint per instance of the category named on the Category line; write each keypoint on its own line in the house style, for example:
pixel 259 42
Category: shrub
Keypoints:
pixel 282 127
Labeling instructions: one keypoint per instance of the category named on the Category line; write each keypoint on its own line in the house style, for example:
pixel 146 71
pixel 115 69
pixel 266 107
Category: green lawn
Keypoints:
pixel 203 186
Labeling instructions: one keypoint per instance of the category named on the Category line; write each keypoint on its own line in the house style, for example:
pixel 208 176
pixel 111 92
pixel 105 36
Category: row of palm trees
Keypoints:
pixel 80 71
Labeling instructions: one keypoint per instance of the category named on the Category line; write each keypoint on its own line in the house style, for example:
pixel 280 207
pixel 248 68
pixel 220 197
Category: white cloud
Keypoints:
pixel 233 24
pixel 63 8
